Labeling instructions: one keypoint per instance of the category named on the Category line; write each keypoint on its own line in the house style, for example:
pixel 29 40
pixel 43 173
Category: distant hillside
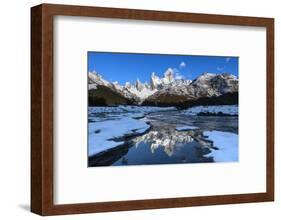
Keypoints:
pixel 104 96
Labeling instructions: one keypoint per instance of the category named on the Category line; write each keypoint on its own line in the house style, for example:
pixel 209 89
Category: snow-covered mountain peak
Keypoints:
pixel 209 76
pixel 96 79
pixel 128 85
pixel 117 86
pixel 228 76
pixel 159 83
pixel 94 76
pixel 154 81
pixel 168 76
pixel 139 85
pixel 206 76
pixel 204 79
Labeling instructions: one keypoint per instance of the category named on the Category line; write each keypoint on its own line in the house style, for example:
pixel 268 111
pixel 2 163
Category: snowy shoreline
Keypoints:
pixel 102 137
pixel 227 144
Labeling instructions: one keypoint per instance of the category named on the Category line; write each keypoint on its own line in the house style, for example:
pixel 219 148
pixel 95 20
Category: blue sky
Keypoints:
pixel 127 67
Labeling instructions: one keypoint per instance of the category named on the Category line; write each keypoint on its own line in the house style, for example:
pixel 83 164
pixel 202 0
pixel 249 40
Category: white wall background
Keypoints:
pixel 15 110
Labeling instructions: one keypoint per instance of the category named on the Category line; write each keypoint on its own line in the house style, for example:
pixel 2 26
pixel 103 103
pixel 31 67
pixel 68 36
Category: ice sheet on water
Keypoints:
pixel 186 128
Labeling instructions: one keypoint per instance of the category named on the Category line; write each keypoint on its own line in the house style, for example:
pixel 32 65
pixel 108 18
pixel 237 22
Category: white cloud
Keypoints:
pixel 182 64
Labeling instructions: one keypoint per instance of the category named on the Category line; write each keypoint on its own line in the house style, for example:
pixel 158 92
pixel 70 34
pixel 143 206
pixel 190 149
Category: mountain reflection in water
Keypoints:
pixel 164 146
pixel 167 139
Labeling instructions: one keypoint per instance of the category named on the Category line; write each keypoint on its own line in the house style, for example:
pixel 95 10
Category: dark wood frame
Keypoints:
pixel 42 108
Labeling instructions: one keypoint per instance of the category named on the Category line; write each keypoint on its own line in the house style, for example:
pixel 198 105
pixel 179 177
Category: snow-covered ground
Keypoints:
pixel 102 133
pixel 225 109
pixel 107 123
pixel 227 144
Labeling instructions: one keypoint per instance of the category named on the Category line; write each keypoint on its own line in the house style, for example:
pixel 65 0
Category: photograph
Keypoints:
pixel 153 109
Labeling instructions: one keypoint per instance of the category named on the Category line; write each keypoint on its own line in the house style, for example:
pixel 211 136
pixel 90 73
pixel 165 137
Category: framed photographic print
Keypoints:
pixel 167 119
pixel 138 109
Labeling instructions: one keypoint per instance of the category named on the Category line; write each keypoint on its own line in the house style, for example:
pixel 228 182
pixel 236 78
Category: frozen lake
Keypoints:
pixel 129 135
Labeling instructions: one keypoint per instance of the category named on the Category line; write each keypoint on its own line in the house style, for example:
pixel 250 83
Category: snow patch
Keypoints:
pixel 101 133
pixel 227 143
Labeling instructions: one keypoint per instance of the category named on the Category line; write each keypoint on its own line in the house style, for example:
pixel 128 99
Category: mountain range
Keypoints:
pixel 169 90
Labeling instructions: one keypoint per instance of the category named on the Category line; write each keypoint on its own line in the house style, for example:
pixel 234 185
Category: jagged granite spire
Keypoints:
pixel 139 85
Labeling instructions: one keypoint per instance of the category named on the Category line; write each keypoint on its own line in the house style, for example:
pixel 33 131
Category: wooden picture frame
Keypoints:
pixel 42 105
